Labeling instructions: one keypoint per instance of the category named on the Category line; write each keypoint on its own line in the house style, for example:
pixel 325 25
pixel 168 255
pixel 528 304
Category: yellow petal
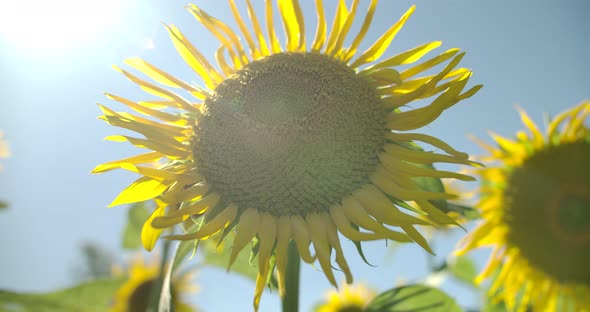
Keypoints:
pixel 163 77
pixel 246 228
pixel 257 30
pixel 293 23
pixel 378 205
pixel 218 223
pixel 302 237
pixel 335 243
pixel 281 252
pixel 426 65
pixel 400 167
pixel 408 137
pixel 320 35
pixel 274 42
pixel 246 34
pixel 417 237
pixel 384 181
pixel 168 151
pixel 339 19
pixel 223 33
pixel 351 51
pixel 267 236
pixel 186 194
pixel 420 157
pixel 150 235
pixel 142 189
pixel 138 159
pixel 140 107
pixel 200 206
pixel 377 49
pixel 435 214
pixel 355 212
pixel 321 246
pixel 157 91
pixel 343 224
pixel 408 57
pixel 337 48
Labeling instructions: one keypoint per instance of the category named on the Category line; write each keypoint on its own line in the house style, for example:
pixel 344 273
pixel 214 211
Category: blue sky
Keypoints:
pixel 530 53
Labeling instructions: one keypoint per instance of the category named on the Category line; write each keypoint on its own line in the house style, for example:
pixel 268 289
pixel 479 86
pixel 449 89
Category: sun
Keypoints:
pixel 55 26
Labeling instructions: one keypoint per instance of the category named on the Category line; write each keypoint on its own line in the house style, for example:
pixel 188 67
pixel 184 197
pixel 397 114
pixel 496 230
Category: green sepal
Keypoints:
pixel 255 248
pixel 182 251
pixel 359 248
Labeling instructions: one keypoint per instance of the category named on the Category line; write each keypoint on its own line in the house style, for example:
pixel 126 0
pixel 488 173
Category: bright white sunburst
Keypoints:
pixel 42 26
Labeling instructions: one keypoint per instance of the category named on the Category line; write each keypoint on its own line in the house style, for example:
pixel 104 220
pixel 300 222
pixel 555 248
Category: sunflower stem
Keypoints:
pixel 290 301
pixel 156 290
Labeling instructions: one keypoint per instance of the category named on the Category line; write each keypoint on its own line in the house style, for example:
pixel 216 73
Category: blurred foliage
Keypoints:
pixel 91 296
pixel 96 263
pixel 463 269
pixel 217 255
pixel 413 298
pixel 3 205
pixel 137 214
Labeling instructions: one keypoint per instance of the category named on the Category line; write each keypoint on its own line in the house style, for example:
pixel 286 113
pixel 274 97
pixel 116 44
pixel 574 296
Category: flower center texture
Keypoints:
pixel 548 200
pixel 290 134
pixel 138 301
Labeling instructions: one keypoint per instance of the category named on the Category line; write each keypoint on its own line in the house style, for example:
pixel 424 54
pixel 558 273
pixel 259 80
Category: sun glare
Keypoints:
pixel 42 27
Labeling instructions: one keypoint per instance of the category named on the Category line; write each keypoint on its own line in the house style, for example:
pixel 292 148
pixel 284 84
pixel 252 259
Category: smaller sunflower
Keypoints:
pixel 350 298
pixel 4 151
pixel 133 295
pixel 535 205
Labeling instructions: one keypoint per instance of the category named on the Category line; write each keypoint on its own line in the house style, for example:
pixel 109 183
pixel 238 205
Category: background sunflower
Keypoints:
pixel 4 152
pixel 134 294
pixel 350 298
pixel 535 202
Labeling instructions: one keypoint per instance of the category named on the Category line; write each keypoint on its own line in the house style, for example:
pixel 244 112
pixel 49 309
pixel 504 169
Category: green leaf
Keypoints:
pixel 136 216
pixel 413 298
pixel 97 262
pixel 219 257
pixel 463 268
pixel 467 211
pixel 91 296
pixel 183 250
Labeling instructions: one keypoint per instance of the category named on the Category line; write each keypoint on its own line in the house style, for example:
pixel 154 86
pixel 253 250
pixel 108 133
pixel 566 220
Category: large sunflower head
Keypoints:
pixel 134 294
pixel 295 142
pixel 535 203
pixel 350 298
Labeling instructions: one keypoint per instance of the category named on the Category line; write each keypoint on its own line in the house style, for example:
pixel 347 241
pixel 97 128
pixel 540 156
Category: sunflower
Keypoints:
pixel 350 298
pixel 134 294
pixel 535 204
pixel 4 151
pixel 291 143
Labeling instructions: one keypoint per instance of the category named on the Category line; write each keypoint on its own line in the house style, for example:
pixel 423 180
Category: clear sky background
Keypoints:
pixel 55 63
